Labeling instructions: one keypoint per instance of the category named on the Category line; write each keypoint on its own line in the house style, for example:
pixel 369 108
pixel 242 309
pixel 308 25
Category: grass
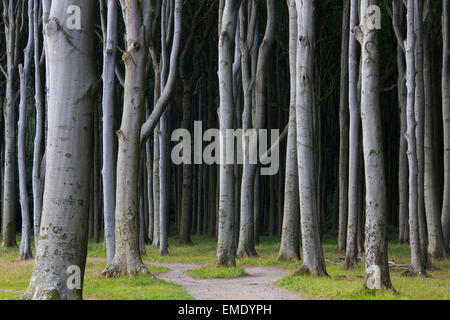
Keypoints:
pixel 213 272
pixel 15 276
pixel 342 284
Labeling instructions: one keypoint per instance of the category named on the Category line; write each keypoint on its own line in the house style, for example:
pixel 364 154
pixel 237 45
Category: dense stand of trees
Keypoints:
pixel 94 92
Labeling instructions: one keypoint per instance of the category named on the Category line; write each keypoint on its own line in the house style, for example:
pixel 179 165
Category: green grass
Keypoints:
pixel 342 284
pixel 213 272
pixel 15 276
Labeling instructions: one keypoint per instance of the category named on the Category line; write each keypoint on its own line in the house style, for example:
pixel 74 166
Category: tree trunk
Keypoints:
pixel 108 143
pixel 9 173
pixel 344 130
pixel 24 73
pixel 290 248
pixel 351 253
pixel 445 216
pixel 127 258
pixel 225 245
pixel 37 182
pixel 436 246
pixel 313 260
pixel 377 271
pixel 62 245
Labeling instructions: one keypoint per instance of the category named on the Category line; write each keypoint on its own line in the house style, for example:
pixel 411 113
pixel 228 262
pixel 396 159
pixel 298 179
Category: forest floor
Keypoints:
pixel 188 273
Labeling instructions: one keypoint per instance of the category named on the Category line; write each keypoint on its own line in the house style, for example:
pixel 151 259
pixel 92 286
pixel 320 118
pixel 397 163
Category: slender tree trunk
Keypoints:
pixel 290 248
pixel 24 74
pixel 445 216
pixel 37 182
pixel 416 266
pixel 108 143
pixel 344 130
pixel 62 246
pixel 351 253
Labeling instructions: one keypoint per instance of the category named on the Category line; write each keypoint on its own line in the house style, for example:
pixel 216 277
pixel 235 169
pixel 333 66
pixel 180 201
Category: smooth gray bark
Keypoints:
pixel 226 253
pixel 9 170
pixel 445 216
pixel 38 152
pixel 290 240
pixel 24 75
pixel 344 130
pixel 313 260
pixel 354 174
pixel 108 134
pixel 63 234
pixel 376 266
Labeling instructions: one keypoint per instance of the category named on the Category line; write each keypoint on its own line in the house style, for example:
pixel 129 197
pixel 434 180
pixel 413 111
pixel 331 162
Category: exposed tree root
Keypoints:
pixel 115 270
pixel 316 272
pixel 247 253
pixel 288 256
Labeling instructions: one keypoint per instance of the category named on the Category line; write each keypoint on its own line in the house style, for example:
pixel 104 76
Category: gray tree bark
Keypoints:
pixel 290 240
pixel 38 152
pixel 344 130
pixel 377 271
pixel 226 253
pixel 354 186
pixel 445 216
pixel 9 170
pixel 313 260
pixel 108 145
pixel 436 246
pixel 63 234
pixel 24 74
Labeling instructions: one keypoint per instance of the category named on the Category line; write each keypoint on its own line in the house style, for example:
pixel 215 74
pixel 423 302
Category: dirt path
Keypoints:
pixel 258 284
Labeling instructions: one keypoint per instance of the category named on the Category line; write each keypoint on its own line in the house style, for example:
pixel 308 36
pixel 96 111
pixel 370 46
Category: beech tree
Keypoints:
pixel 376 264
pixel 63 235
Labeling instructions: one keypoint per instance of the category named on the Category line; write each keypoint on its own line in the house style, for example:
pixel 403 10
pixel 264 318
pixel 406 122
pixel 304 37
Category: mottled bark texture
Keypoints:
pixel 24 74
pixel 290 236
pixel 63 235
pixel 127 258
pixel 354 174
pixel 9 169
pixel 226 253
pixel 445 216
pixel 344 130
pixel 313 260
pixel 377 271
pixel 108 135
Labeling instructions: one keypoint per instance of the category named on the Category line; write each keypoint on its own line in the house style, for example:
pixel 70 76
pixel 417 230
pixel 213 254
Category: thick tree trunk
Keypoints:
pixel 290 248
pixel 62 245
pixel 351 253
pixel 24 73
pixel 377 271
pixel 127 258
pixel 313 260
